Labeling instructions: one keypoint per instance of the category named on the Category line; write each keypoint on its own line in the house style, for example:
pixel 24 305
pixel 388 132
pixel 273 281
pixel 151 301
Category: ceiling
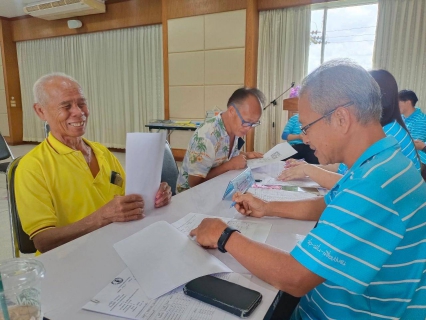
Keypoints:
pixel 13 8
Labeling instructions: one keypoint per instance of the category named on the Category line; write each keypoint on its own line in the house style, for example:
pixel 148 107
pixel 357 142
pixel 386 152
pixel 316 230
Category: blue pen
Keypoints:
pixel 232 204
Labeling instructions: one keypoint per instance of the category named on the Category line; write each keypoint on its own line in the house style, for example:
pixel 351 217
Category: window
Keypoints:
pixel 343 29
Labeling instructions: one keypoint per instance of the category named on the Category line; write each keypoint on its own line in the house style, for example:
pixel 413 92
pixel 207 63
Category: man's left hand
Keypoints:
pixel 163 196
pixel 208 232
pixel 253 155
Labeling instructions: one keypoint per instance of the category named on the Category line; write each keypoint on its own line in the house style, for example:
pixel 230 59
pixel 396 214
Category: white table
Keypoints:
pixel 78 270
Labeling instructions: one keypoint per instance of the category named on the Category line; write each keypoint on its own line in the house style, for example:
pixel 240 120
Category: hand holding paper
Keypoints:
pixel 144 160
pixel 276 154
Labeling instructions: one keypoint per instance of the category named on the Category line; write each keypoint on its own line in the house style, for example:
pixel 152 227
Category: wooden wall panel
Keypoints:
pixel 164 4
pixel 124 14
pixel 11 82
pixel 279 4
pixel 189 8
pixel 252 40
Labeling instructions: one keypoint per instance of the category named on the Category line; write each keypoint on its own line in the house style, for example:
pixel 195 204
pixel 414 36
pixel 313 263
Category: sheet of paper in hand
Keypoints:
pixel 276 154
pixel 240 183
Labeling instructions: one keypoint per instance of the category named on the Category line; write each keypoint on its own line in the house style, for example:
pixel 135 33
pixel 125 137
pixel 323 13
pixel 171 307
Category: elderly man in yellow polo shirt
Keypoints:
pixel 68 186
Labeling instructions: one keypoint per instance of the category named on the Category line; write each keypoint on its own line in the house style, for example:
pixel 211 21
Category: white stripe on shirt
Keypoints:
pixel 371 200
pixel 397 175
pixel 408 192
pixel 345 253
pixel 331 268
pixel 383 162
pixel 356 237
pixel 368 221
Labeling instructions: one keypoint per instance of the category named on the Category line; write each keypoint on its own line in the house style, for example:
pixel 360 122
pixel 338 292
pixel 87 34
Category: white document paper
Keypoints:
pixel 257 231
pixel 276 154
pixel 161 258
pixel 144 161
pixel 302 183
pixel 123 297
pixel 280 195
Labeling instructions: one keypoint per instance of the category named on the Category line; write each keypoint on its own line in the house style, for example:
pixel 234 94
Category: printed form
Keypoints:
pixel 257 231
pixel 123 297
pixel 280 195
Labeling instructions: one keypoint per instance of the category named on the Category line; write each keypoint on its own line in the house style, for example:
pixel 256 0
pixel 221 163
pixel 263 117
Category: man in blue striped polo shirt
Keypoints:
pixel 414 119
pixel 366 258
pixel 292 134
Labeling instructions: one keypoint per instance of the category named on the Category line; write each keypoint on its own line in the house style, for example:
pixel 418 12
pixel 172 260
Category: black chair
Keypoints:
pixel 46 129
pixel 5 153
pixel 170 171
pixel 20 240
pixel 282 307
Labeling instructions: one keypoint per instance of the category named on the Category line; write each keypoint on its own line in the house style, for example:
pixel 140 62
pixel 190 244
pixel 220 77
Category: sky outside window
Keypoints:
pixel 350 33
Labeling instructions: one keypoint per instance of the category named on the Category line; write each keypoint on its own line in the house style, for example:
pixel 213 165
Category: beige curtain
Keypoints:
pixel 400 45
pixel 121 72
pixel 283 58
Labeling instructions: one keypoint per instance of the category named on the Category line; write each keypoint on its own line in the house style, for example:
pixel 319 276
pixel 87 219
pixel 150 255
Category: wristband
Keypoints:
pixel 424 149
pixel 224 237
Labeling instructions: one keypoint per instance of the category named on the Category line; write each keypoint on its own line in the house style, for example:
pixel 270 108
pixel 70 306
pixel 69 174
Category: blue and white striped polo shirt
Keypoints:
pixel 416 124
pixel 370 243
pixel 292 127
pixel 408 148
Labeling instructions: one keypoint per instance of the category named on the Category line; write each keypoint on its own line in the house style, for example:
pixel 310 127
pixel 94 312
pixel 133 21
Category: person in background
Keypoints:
pixel 415 120
pixel 214 148
pixel 69 186
pixel 293 135
pixel 366 256
pixel 393 125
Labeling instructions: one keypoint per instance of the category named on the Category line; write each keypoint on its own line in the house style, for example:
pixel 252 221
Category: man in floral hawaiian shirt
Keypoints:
pixel 213 148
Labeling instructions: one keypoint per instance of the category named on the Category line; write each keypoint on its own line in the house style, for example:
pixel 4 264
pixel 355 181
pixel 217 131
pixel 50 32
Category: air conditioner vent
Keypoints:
pixel 60 9
pixel 58 3
pixel 32 8
pixel 45 6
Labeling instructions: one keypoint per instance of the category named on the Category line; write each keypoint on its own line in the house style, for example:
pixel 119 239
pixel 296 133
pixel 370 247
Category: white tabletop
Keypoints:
pixel 78 270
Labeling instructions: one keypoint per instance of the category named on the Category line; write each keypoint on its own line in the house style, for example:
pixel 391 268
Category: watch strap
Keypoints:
pixel 424 149
pixel 224 237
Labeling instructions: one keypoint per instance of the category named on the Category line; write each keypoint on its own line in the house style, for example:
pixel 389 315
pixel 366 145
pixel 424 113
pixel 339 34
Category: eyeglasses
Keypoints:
pixel 245 123
pixel 305 128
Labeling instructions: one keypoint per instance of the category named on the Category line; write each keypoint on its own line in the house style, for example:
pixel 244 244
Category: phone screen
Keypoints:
pixel 222 293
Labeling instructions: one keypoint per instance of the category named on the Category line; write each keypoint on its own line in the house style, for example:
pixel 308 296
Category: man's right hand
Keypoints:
pixel 238 162
pixel 123 208
pixel 249 205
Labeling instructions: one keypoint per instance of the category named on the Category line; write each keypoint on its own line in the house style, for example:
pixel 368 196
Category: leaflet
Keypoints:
pixel 123 297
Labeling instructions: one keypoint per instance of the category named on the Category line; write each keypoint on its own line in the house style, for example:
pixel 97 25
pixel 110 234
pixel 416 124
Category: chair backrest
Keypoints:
pixel 170 170
pixel 5 151
pixel 46 129
pixel 20 240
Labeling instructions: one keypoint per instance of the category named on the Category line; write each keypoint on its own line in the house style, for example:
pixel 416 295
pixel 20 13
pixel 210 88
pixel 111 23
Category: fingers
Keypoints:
pixel 193 232
pixel 163 196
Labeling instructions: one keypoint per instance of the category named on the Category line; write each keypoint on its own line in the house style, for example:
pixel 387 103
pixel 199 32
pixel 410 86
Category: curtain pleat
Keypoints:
pixel 121 72
pixel 400 44
pixel 283 58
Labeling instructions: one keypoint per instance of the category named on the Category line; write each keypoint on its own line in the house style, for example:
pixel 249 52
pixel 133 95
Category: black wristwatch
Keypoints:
pixel 424 149
pixel 224 237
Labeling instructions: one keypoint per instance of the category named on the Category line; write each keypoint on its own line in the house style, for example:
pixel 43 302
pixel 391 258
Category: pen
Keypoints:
pixel 232 204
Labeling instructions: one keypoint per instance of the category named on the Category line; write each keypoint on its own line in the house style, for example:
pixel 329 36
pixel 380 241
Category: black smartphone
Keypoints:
pixel 223 294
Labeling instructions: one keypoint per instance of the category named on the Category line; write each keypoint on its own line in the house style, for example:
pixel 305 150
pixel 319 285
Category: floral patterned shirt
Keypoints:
pixel 208 148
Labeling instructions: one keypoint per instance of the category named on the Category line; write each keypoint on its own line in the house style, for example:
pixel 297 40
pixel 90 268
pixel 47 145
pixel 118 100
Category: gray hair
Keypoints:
pixel 340 81
pixel 40 94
